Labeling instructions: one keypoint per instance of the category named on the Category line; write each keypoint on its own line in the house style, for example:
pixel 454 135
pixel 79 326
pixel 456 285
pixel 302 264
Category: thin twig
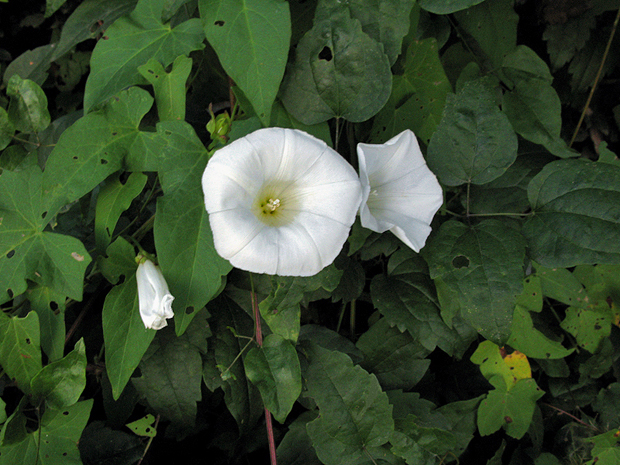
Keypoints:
pixel 596 79
pixel 564 412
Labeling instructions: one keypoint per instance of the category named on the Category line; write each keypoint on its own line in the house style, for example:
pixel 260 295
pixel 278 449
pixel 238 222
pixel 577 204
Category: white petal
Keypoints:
pixel 319 189
pixel 154 298
pixel 401 194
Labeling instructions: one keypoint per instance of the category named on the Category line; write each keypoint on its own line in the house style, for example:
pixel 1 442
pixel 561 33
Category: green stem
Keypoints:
pixel 352 320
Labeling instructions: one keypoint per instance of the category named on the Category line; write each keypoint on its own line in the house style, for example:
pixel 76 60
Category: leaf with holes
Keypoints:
pixel 355 415
pixel 576 214
pixel 406 298
pixel 251 39
pixel 194 271
pixel 169 87
pixel 94 147
pixel 493 363
pixel 129 43
pixel 386 21
pixel 418 95
pixel 55 442
pixel 474 143
pixel 50 306
pixel 29 252
pixel 483 265
pixel 339 71
pixel 20 353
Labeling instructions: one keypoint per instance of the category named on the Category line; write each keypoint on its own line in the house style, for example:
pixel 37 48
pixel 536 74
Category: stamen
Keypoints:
pixel 272 204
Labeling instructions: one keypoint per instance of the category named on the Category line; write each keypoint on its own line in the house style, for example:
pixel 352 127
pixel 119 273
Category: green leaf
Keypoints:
pixel 607 405
pixel 355 416
pixel 226 370
pixel 407 299
pixel 119 261
pixel 445 7
pixel 169 87
pixel 483 265
pixel 144 426
pixel 296 446
pixel 494 26
pixel 172 374
pixel 339 71
pixel 474 143
pixel 183 238
pixel 560 284
pixel 281 309
pixel 508 193
pixel 29 252
pixel 88 20
pixel 20 353
pixel 386 21
pixel 32 64
pixel 7 129
pixel 509 409
pixel 569 197
pixel 525 338
pixel 51 6
pixel 589 326
pixel 50 306
pixel 274 369
pixel 393 356
pixel 493 364
pixel 418 95
pixel 532 105
pixel 280 118
pixel 61 383
pixel 28 107
pixel 126 339
pixel 605 450
pixel 129 43
pixel 566 38
pixel 251 39
pixel 94 147
pixel 114 198
pixel 56 442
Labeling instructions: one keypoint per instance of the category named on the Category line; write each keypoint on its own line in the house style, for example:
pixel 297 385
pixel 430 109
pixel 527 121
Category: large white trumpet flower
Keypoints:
pixel 280 202
pixel 400 193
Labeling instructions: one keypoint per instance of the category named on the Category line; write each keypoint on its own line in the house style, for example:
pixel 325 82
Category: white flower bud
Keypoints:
pixel 154 297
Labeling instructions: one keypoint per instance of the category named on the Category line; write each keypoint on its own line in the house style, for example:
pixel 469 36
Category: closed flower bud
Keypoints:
pixel 153 295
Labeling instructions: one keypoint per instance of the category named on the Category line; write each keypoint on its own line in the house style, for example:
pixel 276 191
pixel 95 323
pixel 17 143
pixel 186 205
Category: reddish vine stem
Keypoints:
pixel 259 341
pixel 564 412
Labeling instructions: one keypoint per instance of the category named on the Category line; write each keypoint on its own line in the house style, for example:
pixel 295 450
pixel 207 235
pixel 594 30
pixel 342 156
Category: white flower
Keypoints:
pixel 280 202
pixel 400 193
pixel 154 297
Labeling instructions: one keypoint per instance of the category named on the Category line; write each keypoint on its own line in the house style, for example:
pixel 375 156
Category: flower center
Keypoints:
pixel 272 205
pixel 276 205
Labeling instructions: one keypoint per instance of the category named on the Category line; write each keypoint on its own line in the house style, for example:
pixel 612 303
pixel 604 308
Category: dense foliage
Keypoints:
pixel 498 343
